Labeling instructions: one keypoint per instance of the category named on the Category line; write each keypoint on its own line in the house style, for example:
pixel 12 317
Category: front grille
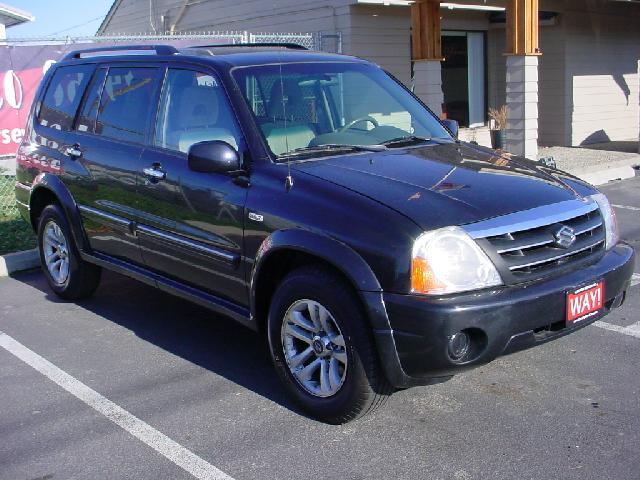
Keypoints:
pixel 524 244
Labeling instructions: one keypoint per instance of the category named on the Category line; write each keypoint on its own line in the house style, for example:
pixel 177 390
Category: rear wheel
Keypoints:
pixel 68 275
pixel 322 347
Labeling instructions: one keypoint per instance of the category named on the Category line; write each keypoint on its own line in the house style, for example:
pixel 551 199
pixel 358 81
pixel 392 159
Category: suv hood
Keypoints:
pixel 437 185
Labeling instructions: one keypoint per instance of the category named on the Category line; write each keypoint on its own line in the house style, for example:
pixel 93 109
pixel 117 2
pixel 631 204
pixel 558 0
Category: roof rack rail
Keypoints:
pixel 120 49
pixel 292 46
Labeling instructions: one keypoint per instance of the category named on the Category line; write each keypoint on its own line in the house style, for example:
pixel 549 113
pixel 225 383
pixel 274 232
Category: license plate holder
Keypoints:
pixel 584 302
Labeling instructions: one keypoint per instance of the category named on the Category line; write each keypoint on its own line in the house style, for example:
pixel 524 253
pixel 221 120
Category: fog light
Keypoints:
pixel 459 346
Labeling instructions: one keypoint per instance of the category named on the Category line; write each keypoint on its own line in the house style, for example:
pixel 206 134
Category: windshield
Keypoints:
pixel 302 106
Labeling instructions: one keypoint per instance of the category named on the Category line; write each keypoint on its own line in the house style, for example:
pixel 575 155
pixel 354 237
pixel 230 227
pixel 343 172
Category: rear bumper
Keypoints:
pixel 413 349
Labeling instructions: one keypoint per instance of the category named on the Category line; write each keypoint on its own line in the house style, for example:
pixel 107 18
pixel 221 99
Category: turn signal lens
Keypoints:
pixel 422 277
pixel 448 261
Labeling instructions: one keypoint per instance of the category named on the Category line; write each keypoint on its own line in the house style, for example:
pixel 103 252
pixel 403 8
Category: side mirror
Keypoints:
pixel 452 126
pixel 213 157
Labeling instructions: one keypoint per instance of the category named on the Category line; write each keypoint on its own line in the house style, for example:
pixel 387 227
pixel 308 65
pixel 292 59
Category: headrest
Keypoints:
pixel 198 106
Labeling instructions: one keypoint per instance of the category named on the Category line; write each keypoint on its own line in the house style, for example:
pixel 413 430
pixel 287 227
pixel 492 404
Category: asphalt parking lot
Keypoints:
pixel 136 384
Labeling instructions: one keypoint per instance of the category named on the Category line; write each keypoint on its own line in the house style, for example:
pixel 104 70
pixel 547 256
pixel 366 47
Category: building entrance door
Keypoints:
pixel 463 77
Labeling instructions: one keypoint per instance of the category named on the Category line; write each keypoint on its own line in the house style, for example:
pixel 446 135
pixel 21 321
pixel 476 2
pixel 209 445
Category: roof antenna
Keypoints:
pixel 288 183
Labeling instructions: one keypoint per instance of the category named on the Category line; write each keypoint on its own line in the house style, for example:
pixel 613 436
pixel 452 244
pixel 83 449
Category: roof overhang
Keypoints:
pixel 386 2
pixel 444 5
pixel 11 16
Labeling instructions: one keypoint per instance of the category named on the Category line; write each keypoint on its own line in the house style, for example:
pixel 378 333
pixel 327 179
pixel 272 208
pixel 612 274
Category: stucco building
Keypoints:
pixel 568 69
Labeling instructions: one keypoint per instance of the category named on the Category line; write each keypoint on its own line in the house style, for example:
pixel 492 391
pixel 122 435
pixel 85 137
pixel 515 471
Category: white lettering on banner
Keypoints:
pixel 12 93
pixel 11 135
pixel 12 90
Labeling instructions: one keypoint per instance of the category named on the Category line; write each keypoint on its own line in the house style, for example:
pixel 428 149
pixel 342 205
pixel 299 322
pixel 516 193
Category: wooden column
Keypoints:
pixel 426 53
pixel 522 27
pixel 522 78
pixel 425 30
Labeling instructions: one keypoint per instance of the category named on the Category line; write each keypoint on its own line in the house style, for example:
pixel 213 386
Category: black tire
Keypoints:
pixel 83 278
pixel 365 387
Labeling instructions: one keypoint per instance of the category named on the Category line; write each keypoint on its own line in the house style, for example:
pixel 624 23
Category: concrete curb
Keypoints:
pixel 600 177
pixel 16 262
pixel 604 172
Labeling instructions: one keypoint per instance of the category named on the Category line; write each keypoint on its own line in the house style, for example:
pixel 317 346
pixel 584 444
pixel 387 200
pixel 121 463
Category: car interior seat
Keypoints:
pixel 291 126
pixel 198 119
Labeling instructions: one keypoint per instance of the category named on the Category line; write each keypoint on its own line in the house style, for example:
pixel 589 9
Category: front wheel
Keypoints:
pixel 68 275
pixel 322 347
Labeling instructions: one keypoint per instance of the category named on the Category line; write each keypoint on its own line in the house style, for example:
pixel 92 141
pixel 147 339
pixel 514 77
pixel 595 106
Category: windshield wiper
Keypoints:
pixel 406 140
pixel 333 147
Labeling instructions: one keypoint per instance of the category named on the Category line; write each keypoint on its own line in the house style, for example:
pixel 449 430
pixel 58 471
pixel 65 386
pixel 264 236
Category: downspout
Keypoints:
pixel 183 7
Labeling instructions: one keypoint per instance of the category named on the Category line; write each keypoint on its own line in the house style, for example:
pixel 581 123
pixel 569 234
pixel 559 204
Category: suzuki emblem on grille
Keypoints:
pixel 565 237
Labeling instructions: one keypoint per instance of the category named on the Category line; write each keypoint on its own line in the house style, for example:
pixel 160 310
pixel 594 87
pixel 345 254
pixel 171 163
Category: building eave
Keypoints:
pixel 11 16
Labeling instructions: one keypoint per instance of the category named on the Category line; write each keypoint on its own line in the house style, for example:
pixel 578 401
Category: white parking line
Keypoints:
pixel 627 207
pixel 162 444
pixel 635 279
pixel 632 330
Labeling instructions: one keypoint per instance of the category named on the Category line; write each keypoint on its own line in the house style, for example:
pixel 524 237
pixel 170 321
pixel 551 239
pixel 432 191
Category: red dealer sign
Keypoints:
pixel 16 94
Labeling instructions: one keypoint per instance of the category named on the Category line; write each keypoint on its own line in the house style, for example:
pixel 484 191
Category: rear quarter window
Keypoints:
pixel 63 96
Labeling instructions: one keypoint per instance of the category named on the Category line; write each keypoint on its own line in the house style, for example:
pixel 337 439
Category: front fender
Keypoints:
pixel 354 267
pixel 338 254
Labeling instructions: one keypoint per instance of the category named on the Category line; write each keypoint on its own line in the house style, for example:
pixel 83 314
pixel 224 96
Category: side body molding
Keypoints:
pixel 55 186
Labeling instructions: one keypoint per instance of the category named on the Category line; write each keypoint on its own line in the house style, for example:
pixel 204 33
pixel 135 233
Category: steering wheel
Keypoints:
pixel 351 124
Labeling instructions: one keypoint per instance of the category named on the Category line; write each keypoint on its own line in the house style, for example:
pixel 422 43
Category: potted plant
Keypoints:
pixel 498 125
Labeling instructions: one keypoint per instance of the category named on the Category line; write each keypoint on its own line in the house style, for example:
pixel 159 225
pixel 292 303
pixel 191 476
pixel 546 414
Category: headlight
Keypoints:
pixel 609 217
pixel 447 261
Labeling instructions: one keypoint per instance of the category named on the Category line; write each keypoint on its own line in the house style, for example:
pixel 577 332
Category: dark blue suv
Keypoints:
pixel 317 201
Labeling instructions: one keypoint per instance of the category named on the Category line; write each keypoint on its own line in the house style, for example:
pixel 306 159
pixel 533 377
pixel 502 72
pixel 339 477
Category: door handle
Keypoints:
pixel 73 151
pixel 154 173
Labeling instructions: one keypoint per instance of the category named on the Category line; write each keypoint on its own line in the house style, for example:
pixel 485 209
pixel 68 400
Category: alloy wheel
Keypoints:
pixel 314 348
pixel 56 252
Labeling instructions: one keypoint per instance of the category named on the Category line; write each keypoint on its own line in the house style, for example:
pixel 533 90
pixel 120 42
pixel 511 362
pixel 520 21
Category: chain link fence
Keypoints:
pixel 322 41
pixel 7 196
pixel 330 42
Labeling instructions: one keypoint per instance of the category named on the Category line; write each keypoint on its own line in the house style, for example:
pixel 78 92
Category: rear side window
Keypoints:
pixel 63 96
pixel 126 104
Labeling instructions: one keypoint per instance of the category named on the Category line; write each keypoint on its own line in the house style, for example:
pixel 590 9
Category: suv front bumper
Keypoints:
pixel 414 349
